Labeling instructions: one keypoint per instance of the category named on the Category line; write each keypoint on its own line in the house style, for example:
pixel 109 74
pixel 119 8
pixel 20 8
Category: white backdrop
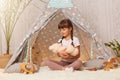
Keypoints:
pixel 102 15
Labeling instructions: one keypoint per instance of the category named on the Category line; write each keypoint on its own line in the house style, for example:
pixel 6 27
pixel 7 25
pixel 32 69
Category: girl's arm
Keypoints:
pixel 63 54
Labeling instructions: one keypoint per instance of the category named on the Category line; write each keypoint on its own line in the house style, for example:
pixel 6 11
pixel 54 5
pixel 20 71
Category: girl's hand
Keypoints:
pixel 63 54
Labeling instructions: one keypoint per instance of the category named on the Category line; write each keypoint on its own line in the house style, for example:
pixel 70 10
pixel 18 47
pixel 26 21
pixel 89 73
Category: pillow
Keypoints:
pixel 94 63
pixel 15 68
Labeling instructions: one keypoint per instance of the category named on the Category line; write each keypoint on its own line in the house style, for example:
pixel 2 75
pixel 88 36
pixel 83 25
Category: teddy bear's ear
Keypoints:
pixel 54 47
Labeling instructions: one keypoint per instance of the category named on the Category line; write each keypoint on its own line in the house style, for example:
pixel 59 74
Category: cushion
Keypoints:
pixel 94 63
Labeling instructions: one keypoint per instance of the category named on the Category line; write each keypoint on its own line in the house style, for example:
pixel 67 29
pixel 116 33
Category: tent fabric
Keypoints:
pixel 45 33
pixel 37 27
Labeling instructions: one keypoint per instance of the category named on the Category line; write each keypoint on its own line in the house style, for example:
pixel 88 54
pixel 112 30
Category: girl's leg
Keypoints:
pixel 55 65
pixel 76 64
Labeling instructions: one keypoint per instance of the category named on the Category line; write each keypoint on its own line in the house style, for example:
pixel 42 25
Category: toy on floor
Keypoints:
pixel 109 65
pixel 117 62
pixel 27 68
pixel 118 59
pixel 57 47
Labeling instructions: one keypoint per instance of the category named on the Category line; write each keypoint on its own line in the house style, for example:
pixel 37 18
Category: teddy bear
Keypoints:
pixel 109 65
pixel 57 47
pixel 27 68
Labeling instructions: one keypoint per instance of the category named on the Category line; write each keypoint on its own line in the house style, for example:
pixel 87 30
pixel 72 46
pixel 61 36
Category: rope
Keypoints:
pixel 91 51
pixel 29 52
pixel 31 55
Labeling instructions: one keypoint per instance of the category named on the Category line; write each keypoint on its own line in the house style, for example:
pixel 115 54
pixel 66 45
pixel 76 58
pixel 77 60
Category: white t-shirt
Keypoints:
pixel 68 42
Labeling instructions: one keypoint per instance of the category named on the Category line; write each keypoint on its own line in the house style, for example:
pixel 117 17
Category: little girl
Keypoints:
pixel 67 60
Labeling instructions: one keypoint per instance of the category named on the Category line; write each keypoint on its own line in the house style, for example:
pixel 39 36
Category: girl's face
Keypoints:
pixel 65 31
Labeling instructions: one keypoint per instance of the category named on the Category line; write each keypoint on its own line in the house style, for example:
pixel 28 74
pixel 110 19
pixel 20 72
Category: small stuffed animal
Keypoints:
pixel 109 65
pixel 27 68
pixel 56 48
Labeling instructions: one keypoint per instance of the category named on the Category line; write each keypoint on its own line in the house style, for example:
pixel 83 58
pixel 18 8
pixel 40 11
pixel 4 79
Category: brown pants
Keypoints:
pixel 59 65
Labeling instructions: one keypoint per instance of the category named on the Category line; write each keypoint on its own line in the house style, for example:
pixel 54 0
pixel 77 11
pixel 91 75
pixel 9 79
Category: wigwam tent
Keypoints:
pixel 45 32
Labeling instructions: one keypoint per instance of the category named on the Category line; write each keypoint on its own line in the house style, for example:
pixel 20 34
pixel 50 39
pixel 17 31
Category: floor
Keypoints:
pixel 46 74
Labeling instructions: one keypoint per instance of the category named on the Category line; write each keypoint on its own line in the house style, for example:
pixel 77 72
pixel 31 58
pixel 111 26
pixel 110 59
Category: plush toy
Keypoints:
pixel 57 47
pixel 109 65
pixel 27 68
pixel 118 59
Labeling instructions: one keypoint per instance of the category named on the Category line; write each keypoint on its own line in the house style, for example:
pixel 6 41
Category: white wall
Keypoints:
pixel 103 16
pixel 25 23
